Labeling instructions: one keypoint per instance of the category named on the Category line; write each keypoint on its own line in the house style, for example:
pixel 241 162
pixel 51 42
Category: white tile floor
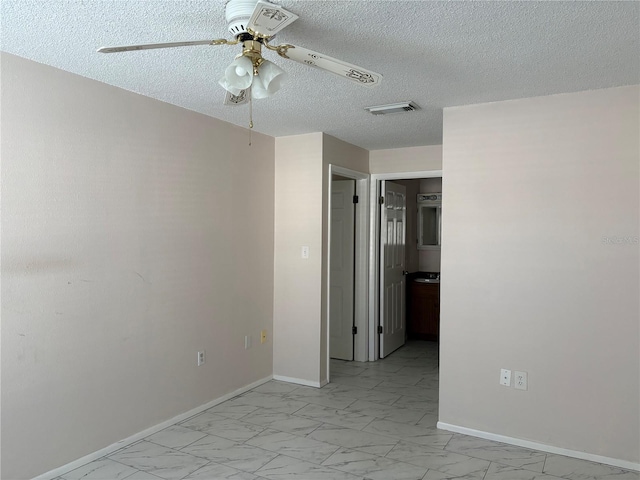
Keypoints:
pixel 375 421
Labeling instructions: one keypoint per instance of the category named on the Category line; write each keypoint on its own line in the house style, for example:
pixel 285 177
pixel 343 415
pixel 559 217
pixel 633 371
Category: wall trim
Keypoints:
pixel 56 472
pixel 539 446
pixel 299 381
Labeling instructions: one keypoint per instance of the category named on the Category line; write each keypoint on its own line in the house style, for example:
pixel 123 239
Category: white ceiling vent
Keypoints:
pixel 401 107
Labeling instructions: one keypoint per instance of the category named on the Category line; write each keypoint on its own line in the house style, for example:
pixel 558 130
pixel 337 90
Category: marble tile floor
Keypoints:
pixel 375 421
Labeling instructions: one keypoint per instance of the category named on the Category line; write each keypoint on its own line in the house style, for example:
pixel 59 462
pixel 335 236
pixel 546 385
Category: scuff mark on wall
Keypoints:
pixel 143 279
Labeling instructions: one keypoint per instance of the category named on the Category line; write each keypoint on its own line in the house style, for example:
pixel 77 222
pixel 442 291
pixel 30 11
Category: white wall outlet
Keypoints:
pixel 201 358
pixel 304 253
pixel 505 377
pixel 247 342
pixel 520 381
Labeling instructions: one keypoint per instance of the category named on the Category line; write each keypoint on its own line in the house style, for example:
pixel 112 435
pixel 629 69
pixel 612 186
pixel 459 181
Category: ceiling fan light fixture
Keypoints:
pixel 402 107
pixel 238 75
pixel 268 80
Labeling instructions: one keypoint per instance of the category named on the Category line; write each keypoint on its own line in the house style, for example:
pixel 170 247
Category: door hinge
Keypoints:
pixel 354 330
pixel 355 199
pixel 379 328
pixel 381 200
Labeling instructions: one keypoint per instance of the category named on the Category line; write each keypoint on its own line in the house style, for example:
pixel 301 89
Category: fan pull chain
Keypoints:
pixel 250 116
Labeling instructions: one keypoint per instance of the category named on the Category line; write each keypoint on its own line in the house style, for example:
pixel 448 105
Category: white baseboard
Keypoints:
pixel 299 381
pixel 539 446
pixel 145 433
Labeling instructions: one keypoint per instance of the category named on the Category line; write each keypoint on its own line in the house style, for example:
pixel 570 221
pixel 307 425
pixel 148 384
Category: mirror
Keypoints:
pixel 429 221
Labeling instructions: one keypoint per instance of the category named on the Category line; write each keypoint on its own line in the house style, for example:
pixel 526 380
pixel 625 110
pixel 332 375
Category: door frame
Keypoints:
pixel 361 259
pixel 374 251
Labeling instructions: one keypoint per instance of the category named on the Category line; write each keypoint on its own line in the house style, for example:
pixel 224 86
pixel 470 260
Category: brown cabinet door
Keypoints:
pixel 424 316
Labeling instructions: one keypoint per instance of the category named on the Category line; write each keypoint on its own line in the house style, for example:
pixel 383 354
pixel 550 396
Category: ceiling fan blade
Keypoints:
pixel 240 99
pixel 268 19
pixel 150 46
pixel 356 74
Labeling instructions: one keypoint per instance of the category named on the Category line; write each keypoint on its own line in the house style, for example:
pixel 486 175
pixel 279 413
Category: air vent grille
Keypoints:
pixel 393 108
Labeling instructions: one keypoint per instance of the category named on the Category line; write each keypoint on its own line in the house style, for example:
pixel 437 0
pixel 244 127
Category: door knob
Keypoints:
pixel 404 272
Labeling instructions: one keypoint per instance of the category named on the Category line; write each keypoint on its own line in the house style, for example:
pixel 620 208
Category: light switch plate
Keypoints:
pixel 305 252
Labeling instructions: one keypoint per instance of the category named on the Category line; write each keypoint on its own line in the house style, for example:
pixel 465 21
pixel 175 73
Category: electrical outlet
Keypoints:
pixel 520 381
pixel 201 358
pixel 247 342
pixel 263 336
pixel 505 377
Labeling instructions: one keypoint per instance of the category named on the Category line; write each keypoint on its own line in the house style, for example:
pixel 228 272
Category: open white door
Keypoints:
pixel 341 275
pixel 392 260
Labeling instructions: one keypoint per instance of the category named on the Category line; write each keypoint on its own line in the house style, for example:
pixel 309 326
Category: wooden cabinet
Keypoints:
pixel 423 322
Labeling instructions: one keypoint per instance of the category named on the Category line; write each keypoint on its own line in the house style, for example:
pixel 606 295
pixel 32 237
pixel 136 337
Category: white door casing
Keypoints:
pixel 341 307
pixel 392 261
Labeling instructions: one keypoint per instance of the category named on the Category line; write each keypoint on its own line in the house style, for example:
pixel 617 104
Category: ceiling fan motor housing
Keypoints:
pixel 237 14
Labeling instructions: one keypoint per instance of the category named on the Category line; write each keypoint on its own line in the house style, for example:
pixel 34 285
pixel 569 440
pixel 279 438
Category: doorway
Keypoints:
pixel 352 333
pixel 376 272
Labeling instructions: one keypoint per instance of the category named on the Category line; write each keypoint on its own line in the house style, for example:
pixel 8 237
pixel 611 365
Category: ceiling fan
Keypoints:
pixel 253 23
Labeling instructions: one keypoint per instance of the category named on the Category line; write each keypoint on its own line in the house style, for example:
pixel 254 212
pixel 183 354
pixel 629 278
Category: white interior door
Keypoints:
pixel 392 260
pixel 341 275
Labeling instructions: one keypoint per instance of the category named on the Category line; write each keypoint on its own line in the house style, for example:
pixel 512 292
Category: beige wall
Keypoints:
pixel 431 185
pixel 133 232
pixel 412 159
pixel 534 189
pixel 298 222
pixel 300 314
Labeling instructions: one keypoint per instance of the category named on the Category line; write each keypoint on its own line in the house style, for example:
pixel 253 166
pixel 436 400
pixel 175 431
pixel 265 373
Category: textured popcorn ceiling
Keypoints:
pixel 437 54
